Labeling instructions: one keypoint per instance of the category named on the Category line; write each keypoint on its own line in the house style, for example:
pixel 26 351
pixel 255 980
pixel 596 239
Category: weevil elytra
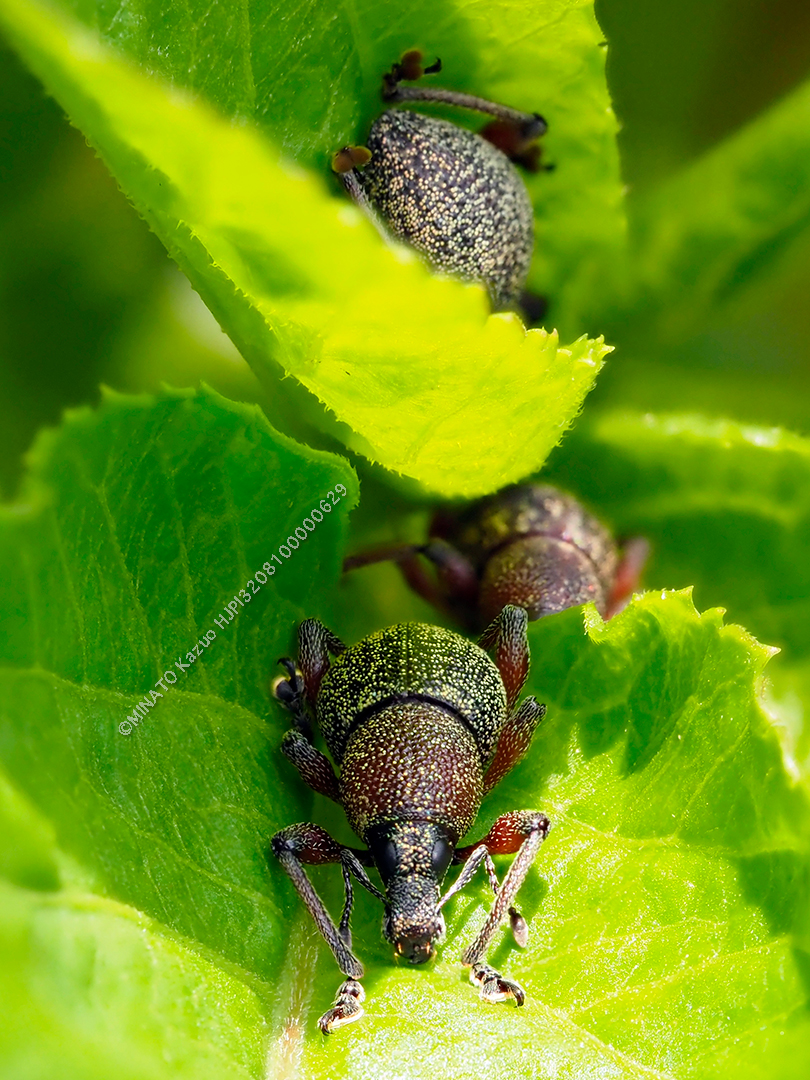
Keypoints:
pixel 421 723
pixel 530 544
pixel 450 193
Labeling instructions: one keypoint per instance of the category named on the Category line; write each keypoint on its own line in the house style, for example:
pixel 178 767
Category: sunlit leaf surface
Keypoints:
pixel 668 907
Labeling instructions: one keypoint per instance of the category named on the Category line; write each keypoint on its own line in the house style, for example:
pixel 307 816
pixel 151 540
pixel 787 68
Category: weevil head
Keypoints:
pixel 412 858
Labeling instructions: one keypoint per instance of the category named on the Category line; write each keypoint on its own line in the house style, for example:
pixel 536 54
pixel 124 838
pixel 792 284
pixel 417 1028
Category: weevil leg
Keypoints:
pixel 297 745
pixel 507 637
pixel 315 643
pixel 406 556
pixel 475 855
pixel 411 68
pixel 425 584
pixel 455 593
pixel 290 692
pixel 351 181
pixel 309 844
pixel 635 553
pixel 347 1007
pixel 472 857
pixel 384 553
pixel 517 138
pixel 315 768
pixel 533 305
pixel 456 572
pixel 520 831
pixel 528 125
pixel 514 741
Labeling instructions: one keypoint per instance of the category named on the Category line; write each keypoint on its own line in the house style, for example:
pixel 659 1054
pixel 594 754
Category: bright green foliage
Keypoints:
pixel 785 697
pixel 26 843
pixel 312 93
pixel 686 840
pixel 670 908
pixel 703 238
pixel 725 506
pixel 123 560
pixel 143 930
pixel 304 286
pixel 671 894
pixel 92 989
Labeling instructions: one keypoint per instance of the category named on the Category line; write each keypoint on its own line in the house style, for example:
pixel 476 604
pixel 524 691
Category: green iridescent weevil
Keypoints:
pixel 421 723
pixel 451 194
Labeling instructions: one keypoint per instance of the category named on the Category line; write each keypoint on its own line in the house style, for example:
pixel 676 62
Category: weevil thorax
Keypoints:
pixel 412 663
pixel 455 198
pixel 538 548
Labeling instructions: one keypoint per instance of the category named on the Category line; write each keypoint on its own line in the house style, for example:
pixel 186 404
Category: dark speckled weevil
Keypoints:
pixel 421 724
pixel 450 193
pixel 531 545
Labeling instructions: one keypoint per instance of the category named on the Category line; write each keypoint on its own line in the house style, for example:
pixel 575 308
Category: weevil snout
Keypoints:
pixel 412 921
pixel 415 943
pixel 416 950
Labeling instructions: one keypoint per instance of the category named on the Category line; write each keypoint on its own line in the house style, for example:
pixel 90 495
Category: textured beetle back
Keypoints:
pixel 454 197
pixel 412 661
pixel 541 574
pixel 525 510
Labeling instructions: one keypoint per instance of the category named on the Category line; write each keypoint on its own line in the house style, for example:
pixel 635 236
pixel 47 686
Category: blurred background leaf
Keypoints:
pixel 681 81
pixel 87 293
pixel 684 78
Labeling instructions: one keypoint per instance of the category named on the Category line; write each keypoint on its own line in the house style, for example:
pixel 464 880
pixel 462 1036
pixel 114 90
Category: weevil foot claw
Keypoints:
pixel 520 928
pixel 346 1009
pixel 493 987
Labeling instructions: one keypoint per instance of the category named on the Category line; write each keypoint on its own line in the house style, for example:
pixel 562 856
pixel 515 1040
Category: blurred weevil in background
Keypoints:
pixel 448 192
pixel 421 724
pixel 530 544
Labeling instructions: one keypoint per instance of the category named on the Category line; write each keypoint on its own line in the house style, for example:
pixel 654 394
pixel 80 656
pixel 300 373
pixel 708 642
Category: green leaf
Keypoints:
pixel 706 235
pixel 316 92
pixel 725 506
pixel 26 842
pixel 430 385
pixel 669 911
pixel 145 521
pixel 687 843
pixel 670 896
pixel 59 207
pixel 91 989
pixel 785 697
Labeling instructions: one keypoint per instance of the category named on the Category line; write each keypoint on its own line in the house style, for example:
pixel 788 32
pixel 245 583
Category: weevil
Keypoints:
pixel 420 723
pixel 530 544
pixel 450 193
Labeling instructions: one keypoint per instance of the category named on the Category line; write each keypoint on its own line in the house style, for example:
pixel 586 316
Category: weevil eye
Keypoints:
pixel 387 859
pixel 440 858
